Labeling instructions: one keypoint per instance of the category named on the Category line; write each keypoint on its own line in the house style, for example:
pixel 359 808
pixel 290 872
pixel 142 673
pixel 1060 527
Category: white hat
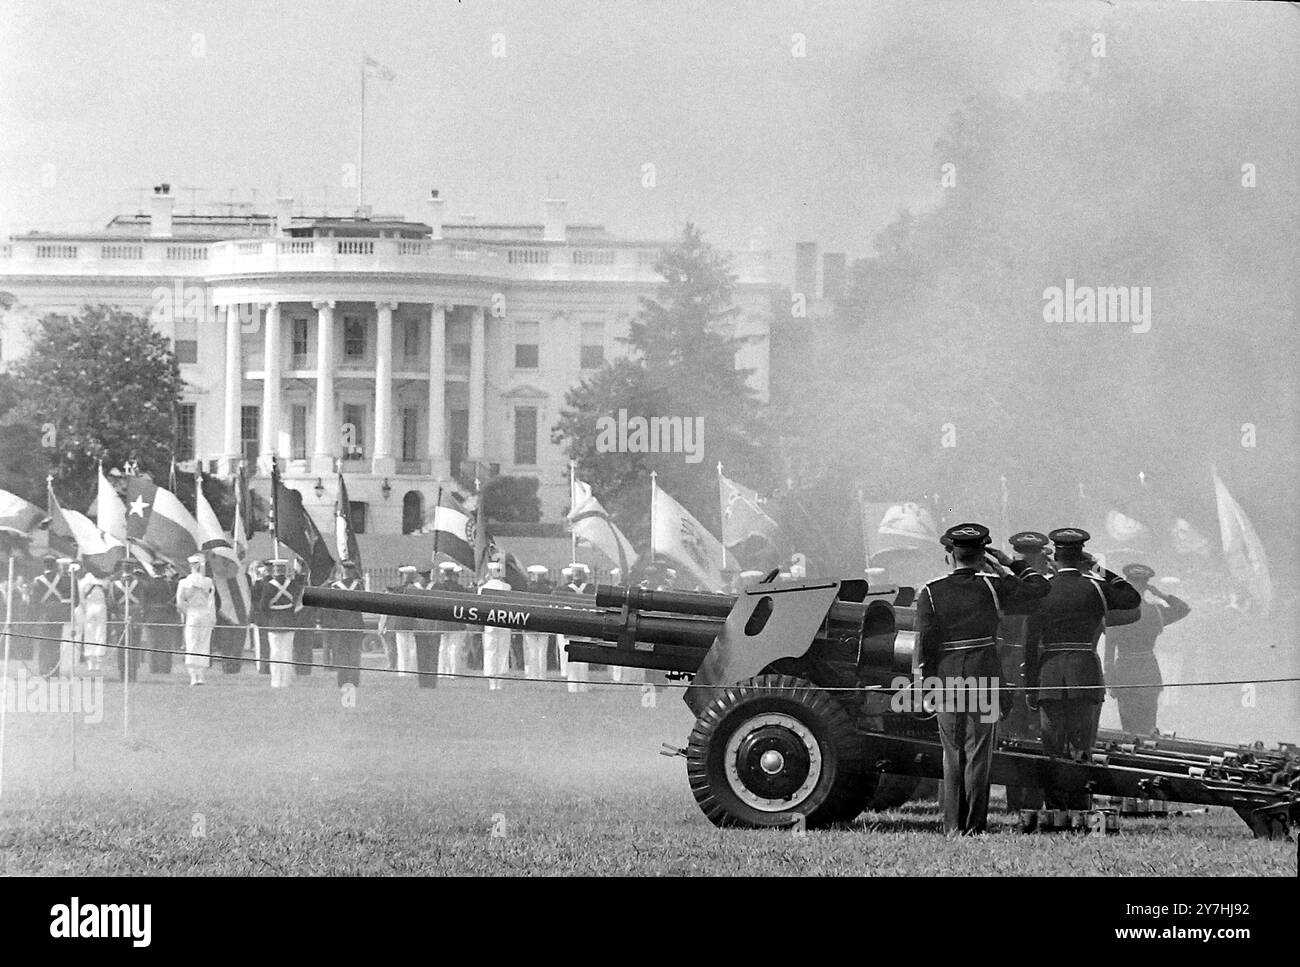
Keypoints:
pixel 451 567
pixel 196 558
pixel 496 567
pixel 64 561
pixel 578 566
pixel 538 569
pixel 407 569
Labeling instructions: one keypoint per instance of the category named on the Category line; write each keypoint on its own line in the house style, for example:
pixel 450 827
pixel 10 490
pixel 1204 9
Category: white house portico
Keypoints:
pixel 403 353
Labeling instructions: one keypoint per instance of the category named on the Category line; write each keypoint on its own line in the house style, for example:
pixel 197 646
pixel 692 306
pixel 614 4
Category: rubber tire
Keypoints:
pixel 844 785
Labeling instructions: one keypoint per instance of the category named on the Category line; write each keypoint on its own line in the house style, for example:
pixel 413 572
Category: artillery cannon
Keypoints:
pixel 790 685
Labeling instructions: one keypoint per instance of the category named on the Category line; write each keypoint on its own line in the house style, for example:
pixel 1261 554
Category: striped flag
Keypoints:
pixel 234 596
pixel 18 519
pixel 110 512
pixel 96 550
pixel 1242 548
pixel 156 518
pixel 345 539
pixel 454 530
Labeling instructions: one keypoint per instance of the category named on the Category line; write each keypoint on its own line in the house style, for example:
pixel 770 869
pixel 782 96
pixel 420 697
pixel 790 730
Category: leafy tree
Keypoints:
pixel 22 461
pixel 107 385
pixel 512 499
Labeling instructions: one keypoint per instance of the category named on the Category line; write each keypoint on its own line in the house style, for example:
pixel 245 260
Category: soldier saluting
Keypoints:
pixel 1062 669
pixel 1032 548
pixel 1130 658
pixel 956 630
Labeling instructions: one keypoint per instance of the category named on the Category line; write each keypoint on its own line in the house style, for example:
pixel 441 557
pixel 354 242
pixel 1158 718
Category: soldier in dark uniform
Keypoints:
pixel 956 632
pixel 126 609
pixel 1062 668
pixel 346 628
pixel 1130 658
pixel 277 600
pixel 308 630
pixel 51 600
pixel 402 627
pixel 427 635
pixel 1032 548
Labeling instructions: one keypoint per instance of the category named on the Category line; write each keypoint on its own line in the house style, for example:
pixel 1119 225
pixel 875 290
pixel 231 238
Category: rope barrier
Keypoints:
pixel 881 689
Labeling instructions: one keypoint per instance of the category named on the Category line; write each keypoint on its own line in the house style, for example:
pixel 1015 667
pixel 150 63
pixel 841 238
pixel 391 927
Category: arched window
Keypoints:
pixel 412 512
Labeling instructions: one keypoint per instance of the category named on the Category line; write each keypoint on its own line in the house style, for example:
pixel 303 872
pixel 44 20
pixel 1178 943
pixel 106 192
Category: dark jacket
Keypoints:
pixel 1130 650
pixel 335 620
pixel 1061 653
pixel 276 604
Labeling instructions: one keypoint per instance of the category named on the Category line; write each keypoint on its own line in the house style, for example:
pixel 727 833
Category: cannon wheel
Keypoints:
pixel 773 749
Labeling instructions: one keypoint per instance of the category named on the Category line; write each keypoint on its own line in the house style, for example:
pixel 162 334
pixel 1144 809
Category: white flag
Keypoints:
pixel 376 69
pixel 110 512
pixel 592 525
pixel 684 541
pixel 1242 548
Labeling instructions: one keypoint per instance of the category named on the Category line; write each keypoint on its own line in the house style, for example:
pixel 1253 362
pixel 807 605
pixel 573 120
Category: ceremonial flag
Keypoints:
pixel 592 525
pixel 685 542
pixel 96 550
pixel 110 512
pixel 294 526
pixel 17 516
pixel 897 527
pixel 345 539
pixel 243 506
pixel 1242 549
pixel 454 530
pixel 742 517
pixel 156 518
pixel 375 69
pixel 234 594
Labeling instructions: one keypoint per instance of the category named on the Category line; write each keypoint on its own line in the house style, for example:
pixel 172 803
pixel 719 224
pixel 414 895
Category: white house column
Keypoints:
pixel 234 386
pixel 383 460
pixel 437 423
pixel 327 432
pixel 477 383
pixel 271 387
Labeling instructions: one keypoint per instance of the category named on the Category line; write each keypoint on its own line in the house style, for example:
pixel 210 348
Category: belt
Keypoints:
pixel 1071 646
pixel 967 644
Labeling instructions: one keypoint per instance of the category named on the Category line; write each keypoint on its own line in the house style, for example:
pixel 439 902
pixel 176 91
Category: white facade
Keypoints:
pixel 446 343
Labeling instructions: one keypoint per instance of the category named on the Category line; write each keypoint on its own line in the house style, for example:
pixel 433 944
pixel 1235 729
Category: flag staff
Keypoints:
pixel 436 504
pixel 4 706
pixel 721 524
pixel 573 535
pixel 275 506
pixel 361 166
pixel 654 488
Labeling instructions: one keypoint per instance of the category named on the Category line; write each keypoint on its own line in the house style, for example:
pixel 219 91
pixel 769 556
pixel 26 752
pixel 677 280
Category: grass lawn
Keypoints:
pixel 235 778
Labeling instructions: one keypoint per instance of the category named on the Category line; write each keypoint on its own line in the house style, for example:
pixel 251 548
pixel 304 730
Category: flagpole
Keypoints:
pixel 654 488
pixel 721 525
pixel 126 651
pixel 275 507
pixel 436 505
pixel 573 535
pixel 4 672
pixel 361 168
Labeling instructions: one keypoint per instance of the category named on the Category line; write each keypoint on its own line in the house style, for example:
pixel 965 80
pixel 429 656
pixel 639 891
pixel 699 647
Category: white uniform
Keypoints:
pixel 577 672
pixel 94 619
pixel 535 654
pixel 196 601
pixel 496 642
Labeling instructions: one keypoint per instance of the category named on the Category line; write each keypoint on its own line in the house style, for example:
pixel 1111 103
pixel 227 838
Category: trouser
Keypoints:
pixel 198 648
pixel 1137 709
pixel 405 652
pixel 575 671
pixel 69 643
pixel 161 642
pixel 280 645
pixel 496 656
pixel 426 658
pixel 622 673
pixel 1020 724
pixel 451 653
pixel 128 661
pixel 967 758
pixel 1069 728
pixel 48 647
pixel 304 644
pixel 228 642
pixel 535 655
pixel 262 649
pixel 95 640
pixel 516 654
pixel 345 649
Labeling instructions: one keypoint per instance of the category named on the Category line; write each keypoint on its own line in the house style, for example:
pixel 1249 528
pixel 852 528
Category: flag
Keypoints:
pixel 375 69
pixel 1242 549
pixel 77 532
pixel 1127 531
pixel 742 518
pixel 243 506
pixel 156 518
pixel 899 527
pixel 234 594
pixel 110 512
pixel 17 516
pixel 683 540
pixel 345 539
pixel 294 527
pixel 454 530
pixel 593 526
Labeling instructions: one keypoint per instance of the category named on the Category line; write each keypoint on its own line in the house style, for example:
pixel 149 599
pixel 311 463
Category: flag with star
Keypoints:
pixel 156 519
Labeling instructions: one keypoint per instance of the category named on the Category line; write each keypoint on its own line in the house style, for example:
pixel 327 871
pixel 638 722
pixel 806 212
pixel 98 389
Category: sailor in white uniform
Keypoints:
pixel 196 600
pixel 496 641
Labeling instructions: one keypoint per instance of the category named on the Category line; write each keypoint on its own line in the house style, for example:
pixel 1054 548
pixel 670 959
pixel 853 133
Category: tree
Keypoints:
pixel 682 365
pixel 22 461
pixel 101 385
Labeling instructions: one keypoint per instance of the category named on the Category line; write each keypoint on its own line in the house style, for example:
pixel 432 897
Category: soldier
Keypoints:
pixel 451 649
pixel 258 573
pixel 496 641
pixel 536 642
pixel 346 628
pixel 159 633
pixel 1062 669
pixel 1130 664
pixel 51 602
pixel 1032 548
pixel 277 602
pixel 956 631
pixel 575 671
pixel 427 635
pixel 196 600
pixel 307 629
pixel 126 607
pixel 403 628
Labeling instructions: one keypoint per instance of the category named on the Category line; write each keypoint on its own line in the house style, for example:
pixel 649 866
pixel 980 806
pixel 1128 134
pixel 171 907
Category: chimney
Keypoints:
pixel 553 224
pixel 833 272
pixel 283 214
pixel 160 216
pixel 435 215
pixel 805 270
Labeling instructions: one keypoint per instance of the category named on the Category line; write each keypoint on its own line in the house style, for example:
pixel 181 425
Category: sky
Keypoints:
pixel 99 101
